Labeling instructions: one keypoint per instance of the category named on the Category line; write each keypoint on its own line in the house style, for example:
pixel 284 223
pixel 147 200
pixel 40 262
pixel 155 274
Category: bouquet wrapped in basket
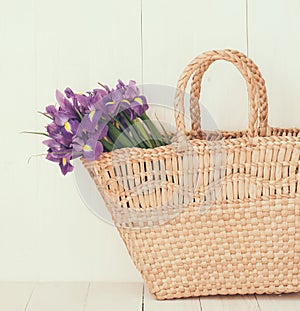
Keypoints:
pixel 201 213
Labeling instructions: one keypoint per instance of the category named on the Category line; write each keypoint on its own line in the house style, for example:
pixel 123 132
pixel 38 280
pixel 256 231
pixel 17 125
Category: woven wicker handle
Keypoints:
pixel 255 86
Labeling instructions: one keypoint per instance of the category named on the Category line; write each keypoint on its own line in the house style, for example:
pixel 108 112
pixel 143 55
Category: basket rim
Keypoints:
pixel 244 141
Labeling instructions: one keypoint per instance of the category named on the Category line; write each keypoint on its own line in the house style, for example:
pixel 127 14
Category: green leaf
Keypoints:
pixel 126 133
pixel 107 145
pixel 138 139
pixel 35 133
pixel 45 115
pixel 78 112
pixel 35 156
pixel 116 136
pixel 164 130
pixel 139 126
pixel 152 128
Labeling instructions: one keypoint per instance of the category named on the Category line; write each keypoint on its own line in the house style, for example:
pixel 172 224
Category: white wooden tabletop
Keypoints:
pixel 127 297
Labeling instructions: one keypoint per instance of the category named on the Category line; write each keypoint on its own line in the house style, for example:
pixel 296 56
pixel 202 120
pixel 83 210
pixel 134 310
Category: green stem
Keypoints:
pixel 35 133
pixel 134 132
pixel 134 140
pixel 115 135
pixel 107 145
pixel 45 115
pixel 78 112
pixel 139 126
pixel 152 128
pixel 123 129
pixel 164 130
pixel 36 155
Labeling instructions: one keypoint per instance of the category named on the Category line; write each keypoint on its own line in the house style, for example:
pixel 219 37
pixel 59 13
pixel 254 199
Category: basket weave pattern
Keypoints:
pixel 210 216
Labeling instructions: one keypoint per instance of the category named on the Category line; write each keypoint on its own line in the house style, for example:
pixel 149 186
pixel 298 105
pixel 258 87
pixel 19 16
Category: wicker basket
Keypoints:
pixel 210 213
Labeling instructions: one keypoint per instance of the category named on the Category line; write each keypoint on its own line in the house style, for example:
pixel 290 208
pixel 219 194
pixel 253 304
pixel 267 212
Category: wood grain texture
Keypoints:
pixel 19 210
pixel 15 296
pixel 79 43
pixel 58 297
pixel 287 302
pixel 127 296
pixel 54 44
pixel 229 303
pixel 274 40
pixel 114 297
pixel 150 304
pixel 176 32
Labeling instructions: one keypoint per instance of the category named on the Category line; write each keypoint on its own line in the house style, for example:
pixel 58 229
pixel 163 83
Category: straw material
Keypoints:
pixel 211 213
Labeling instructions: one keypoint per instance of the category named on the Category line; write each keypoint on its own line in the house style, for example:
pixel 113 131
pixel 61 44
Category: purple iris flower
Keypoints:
pixel 51 111
pixel 55 132
pixel 65 106
pixel 61 117
pixel 90 120
pixel 60 154
pixel 117 95
pixel 120 84
pixel 99 94
pixel 83 100
pixel 63 133
pixel 88 130
pixel 100 131
pixel 94 128
pixel 91 100
pixel 131 91
pixel 69 128
pixel 90 149
pixel 96 115
pixel 82 120
pixel 66 119
pixel 53 129
pixel 111 106
pixel 139 105
pixel 69 93
pixel 125 98
pixel 55 150
pixel 65 165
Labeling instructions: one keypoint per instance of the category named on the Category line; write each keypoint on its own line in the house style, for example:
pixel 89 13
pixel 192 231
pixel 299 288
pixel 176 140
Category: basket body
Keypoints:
pixel 246 241
pixel 214 213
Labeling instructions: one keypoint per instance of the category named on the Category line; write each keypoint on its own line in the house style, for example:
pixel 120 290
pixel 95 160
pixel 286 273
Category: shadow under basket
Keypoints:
pixel 208 216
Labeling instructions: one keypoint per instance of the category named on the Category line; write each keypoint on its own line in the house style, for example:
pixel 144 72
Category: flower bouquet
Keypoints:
pixel 86 125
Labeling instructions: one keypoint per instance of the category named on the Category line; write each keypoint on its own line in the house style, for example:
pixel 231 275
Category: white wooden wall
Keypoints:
pixel 46 232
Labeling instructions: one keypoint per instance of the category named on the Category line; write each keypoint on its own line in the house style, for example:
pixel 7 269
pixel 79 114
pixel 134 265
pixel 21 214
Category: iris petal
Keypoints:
pixel 91 114
pixel 64 161
pixel 67 127
pixel 139 101
pixel 87 148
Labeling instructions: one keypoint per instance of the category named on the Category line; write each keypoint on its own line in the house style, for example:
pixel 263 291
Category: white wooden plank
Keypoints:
pixel 58 297
pixel 150 304
pixel 78 44
pixel 18 235
pixel 174 32
pixel 114 297
pixel 274 40
pixel 286 302
pixel 229 303
pixel 15 296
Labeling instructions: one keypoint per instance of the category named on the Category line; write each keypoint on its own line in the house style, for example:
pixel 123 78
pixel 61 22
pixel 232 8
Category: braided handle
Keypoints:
pixel 255 85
